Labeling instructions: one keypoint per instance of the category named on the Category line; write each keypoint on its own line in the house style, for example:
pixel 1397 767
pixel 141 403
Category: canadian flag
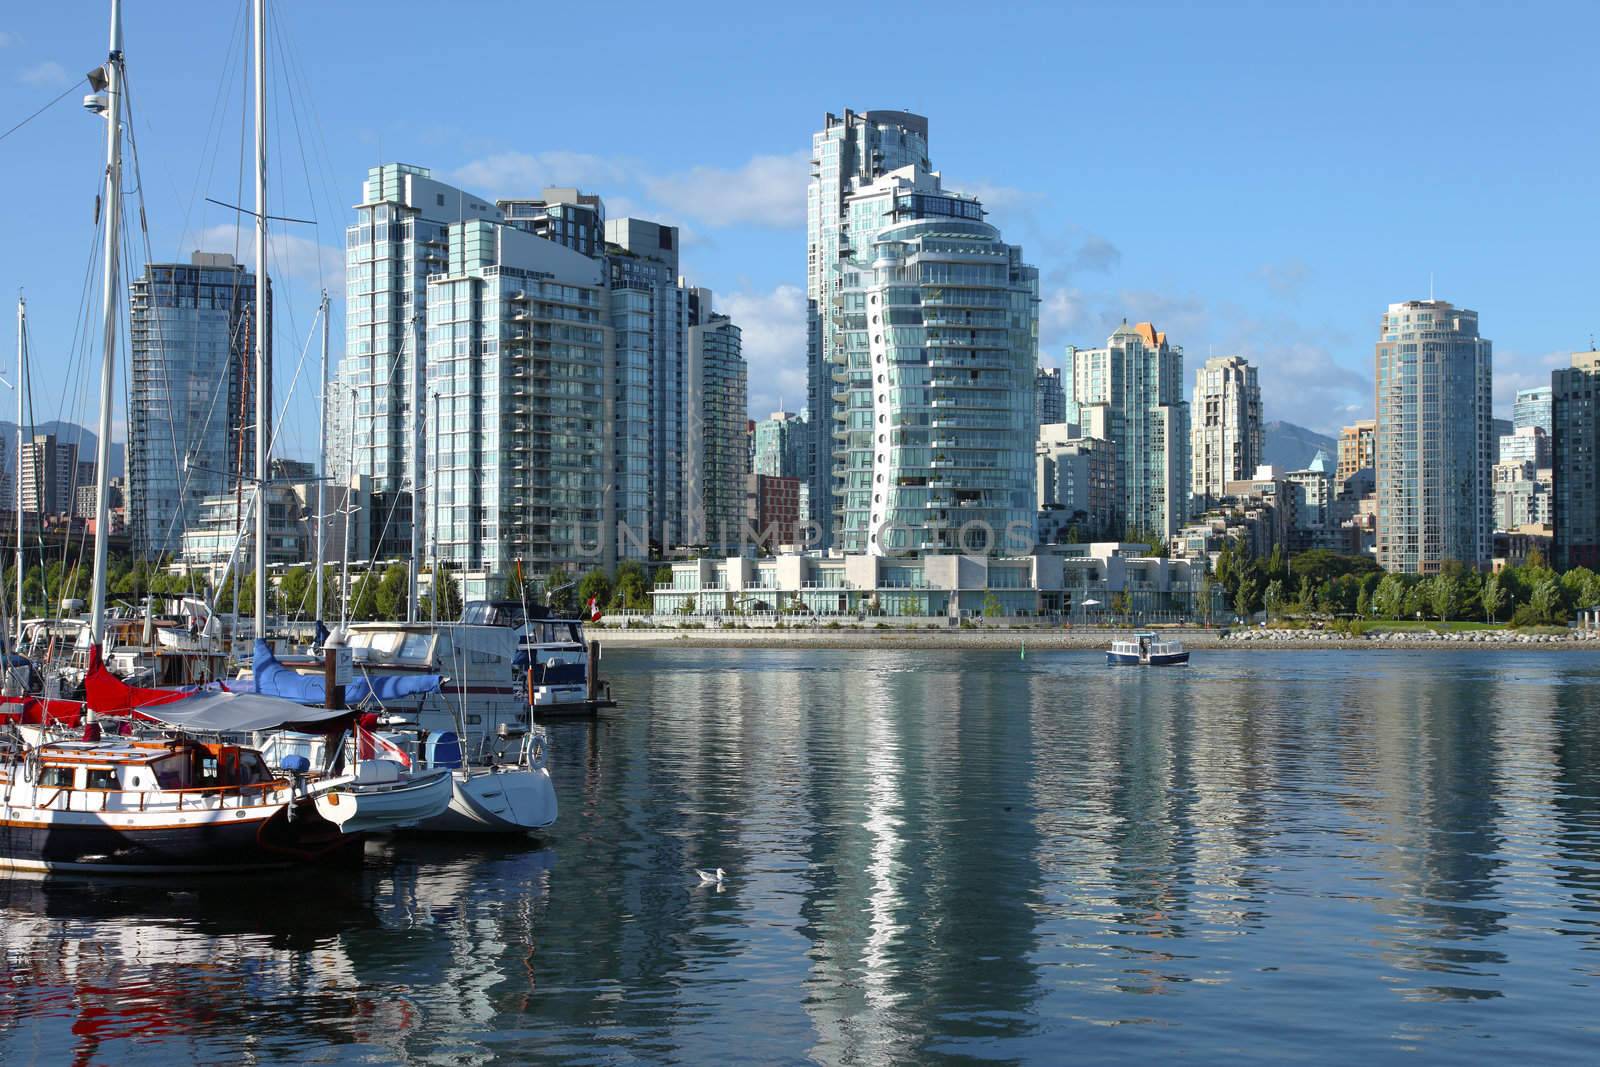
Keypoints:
pixel 594 610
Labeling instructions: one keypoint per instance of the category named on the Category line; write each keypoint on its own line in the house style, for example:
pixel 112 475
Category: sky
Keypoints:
pixel 1256 179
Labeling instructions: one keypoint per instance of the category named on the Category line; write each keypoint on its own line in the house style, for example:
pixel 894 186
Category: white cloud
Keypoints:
pixel 766 191
pixel 289 256
pixel 1001 198
pixel 1285 279
pixel 1513 372
pixel 515 174
pixel 48 74
pixel 773 328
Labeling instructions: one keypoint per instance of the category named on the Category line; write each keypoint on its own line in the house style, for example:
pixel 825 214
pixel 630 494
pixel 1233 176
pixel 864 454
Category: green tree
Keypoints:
pixel 1546 602
pixel 449 598
pixel 594 585
pixel 1493 598
pixel 992 608
pixel 1389 598
pixel 1273 598
pixel 1244 601
pixel 364 598
pixel 1444 596
pixel 393 589
pixel 295 591
pixel 1307 597
pixel 632 591
pixel 1119 605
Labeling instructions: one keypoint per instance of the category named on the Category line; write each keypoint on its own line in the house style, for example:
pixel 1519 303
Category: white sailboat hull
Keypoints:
pixel 497 800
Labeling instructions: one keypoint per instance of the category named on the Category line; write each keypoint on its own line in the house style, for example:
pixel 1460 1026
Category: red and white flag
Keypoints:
pixel 594 610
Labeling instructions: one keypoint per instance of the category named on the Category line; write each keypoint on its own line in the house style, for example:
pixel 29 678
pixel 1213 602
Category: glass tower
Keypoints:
pixel 1136 383
pixel 1433 448
pixel 933 398
pixel 846 154
pixel 1575 414
pixel 1532 408
pixel 191 409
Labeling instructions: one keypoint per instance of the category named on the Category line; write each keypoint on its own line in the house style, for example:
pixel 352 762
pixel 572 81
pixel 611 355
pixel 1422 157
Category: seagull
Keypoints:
pixel 710 877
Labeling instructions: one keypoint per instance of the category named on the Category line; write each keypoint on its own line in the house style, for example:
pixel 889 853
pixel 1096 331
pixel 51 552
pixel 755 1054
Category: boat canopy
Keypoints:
pixel 190 709
pixel 273 679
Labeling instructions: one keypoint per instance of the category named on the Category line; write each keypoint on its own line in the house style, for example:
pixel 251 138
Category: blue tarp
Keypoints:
pixel 274 679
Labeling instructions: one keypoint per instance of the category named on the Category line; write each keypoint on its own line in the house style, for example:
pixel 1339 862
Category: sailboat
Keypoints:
pixel 147 803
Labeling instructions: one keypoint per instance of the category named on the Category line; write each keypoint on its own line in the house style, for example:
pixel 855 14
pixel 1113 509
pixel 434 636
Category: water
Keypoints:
pixel 1263 857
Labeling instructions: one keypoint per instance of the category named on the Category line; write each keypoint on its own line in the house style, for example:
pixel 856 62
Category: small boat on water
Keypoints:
pixel 1145 649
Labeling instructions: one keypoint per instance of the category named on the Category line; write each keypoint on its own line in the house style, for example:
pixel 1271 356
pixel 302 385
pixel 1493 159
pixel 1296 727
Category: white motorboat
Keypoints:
pixel 1145 649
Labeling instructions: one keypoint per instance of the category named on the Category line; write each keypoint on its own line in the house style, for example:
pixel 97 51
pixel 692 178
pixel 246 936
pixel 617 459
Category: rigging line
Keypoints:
pixel 213 128
pixel 285 71
pixel 257 215
pixel 64 94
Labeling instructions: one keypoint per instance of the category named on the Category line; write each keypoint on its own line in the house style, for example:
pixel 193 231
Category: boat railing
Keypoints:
pixel 197 798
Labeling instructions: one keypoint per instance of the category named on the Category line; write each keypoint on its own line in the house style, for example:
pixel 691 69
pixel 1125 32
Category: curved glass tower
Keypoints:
pixel 935 422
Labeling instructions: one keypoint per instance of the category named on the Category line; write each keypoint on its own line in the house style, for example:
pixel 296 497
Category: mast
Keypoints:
pixel 22 386
pixel 322 453
pixel 434 586
pixel 416 469
pixel 108 302
pixel 263 331
pixel 349 513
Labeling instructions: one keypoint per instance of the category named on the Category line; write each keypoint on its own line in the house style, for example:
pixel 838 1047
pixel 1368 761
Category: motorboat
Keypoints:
pixel 138 806
pixel 1145 649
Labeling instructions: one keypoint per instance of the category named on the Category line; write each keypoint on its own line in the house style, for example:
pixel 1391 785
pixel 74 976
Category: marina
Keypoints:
pixel 926 856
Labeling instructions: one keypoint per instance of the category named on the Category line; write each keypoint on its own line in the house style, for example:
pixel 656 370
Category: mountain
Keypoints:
pixel 66 432
pixel 1291 448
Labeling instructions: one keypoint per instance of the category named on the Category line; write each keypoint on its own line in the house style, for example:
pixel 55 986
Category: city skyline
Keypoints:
pixel 1231 261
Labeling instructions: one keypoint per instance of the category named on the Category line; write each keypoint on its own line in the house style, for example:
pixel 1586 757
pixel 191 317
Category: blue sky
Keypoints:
pixel 1257 179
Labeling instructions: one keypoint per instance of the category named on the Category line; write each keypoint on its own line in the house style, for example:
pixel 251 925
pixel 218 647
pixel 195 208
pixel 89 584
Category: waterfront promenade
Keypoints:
pixel 990 635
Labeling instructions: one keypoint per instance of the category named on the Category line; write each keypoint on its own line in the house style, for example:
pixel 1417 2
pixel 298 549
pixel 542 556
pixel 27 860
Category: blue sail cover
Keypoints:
pixel 274 679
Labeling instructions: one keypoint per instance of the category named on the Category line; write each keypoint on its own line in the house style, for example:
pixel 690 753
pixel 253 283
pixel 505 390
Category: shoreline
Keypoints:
pixel 1055 640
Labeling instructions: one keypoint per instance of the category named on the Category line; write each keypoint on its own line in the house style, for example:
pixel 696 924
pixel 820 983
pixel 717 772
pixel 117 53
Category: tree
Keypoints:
pixel 1244 601
pixel 1444 596
pixel 687 608
pixel 1493 598
pixel 392 593
pixel 1307 598
pixel 364 598
pixel 595 585
pixel 1389 598
pixel 992 608
pixel 295 590
pixel 1119 604
pixel 449 597
pixel 632 591
pixel 1273 598
pixel 1546 602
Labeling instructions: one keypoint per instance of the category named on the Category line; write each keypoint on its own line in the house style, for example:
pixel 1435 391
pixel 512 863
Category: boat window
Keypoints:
pixel 58 777
pixel 387 643
pixel 171 771
pixel 102 778
pixel 253 769
pixel 416 646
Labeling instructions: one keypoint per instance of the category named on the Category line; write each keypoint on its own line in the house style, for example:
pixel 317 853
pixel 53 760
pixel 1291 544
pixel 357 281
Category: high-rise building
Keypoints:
pixel 1575 420
pixel 1077 484
pixel 1133 388
pixel 1049 398
pixel 650 325
pixel 1528 445
pixel 1434 453
pixel 1532 407
pixel 518 351
pixel 51 475
pixel 1522 495
pixel 715 457
pixel 780 446
pixel 578 405
pixel 1227 435
pixel 402 236
pixel 847 154
pixel 937 337
pixel 1357 449
pixel 191 410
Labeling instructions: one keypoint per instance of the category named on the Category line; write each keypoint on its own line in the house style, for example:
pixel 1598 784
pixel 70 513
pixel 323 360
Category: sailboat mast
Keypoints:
pixel 22 388
pixel 322 453
pixel 263 324
pixel 416 466
pixel 108 301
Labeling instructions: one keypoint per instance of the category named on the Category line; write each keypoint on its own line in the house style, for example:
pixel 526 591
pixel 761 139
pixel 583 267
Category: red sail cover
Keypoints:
pixel 106 694
pixel 40 711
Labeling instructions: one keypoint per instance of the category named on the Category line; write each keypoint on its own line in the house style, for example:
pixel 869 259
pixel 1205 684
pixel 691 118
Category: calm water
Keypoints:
pixel 1321 856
